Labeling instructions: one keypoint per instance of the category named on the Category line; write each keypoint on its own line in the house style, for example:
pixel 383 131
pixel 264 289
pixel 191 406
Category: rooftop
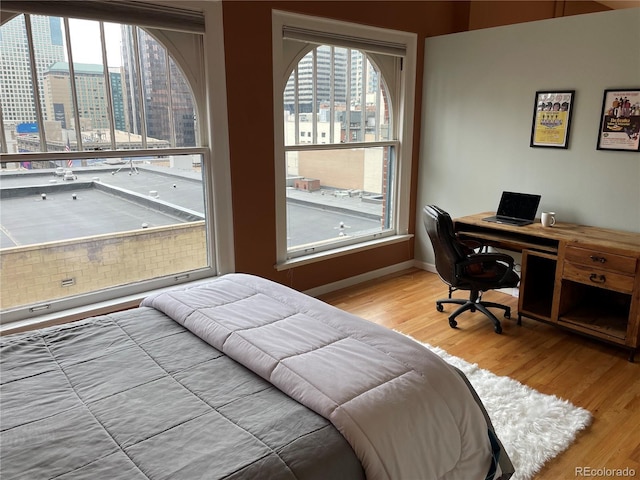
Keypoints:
pixel 78 68
pixel 105 199
pixel 43 207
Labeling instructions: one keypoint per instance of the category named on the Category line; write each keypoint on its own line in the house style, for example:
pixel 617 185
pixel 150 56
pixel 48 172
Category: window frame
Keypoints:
pixel 403 110
pixel 204 68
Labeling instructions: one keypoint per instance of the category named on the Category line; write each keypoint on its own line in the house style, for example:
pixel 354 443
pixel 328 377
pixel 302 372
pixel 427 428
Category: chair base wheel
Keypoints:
pixel 472 305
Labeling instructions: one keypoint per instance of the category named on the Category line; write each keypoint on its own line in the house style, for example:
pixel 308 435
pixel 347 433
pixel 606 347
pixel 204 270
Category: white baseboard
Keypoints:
pixel 348 282
pixel 429 267
pixel 514 292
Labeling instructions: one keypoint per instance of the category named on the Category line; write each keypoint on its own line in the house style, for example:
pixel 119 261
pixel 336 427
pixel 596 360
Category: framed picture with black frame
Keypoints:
pixel 620 120
pixel 552 118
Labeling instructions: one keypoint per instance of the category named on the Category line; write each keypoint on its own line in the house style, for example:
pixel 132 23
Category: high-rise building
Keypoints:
pixel 16 86
pixel 117 99
pixel 346 63
pixel 163 91
pixel 362 78
pixel 90 86
pixel 90 90
pixel 347 93
pixel 330 74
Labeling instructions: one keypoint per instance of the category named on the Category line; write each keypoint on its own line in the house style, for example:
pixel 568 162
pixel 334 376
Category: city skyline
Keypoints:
pixel 331 83
pixel 157 103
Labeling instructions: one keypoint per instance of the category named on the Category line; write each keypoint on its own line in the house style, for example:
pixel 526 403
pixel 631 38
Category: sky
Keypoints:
pixel 85 42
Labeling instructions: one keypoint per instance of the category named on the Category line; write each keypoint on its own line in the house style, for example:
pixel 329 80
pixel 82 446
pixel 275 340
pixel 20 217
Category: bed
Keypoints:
pixel 237 378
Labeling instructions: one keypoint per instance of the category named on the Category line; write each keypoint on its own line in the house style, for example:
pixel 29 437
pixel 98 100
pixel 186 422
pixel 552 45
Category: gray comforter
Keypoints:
pixel 135 396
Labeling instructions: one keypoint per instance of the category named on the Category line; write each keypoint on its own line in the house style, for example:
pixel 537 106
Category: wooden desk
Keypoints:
pixel 584 279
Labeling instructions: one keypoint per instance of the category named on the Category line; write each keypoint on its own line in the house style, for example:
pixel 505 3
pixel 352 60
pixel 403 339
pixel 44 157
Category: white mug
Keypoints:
pixel 548 219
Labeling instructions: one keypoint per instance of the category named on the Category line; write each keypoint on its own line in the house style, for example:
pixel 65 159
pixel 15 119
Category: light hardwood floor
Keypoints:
pixel 589 374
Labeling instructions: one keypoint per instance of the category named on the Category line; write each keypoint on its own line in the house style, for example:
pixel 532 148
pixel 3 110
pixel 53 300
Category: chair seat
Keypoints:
pixel 487 280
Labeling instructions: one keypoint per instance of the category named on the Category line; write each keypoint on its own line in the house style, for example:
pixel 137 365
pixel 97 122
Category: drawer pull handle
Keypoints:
pixel 595 278
pixel 598 259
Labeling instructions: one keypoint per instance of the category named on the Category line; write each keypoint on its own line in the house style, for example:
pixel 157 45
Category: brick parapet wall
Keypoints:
pixel 35 273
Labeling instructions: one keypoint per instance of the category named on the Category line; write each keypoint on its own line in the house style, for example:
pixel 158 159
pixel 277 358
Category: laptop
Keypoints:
pixel 516 209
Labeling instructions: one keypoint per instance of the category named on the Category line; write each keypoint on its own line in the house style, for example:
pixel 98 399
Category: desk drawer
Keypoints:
pixel 598 277
pixel 600 259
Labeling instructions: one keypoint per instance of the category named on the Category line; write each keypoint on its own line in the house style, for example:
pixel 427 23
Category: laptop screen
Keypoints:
pixel 518 205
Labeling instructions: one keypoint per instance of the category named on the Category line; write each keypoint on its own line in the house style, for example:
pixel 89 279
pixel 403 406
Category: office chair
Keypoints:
pixel 461 268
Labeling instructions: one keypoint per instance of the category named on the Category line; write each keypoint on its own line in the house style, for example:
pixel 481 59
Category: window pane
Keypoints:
pixel 337 195
pixel 290 124
pixel 92 101
pixel 339 102
pixel 59 111
pixel 155 88
pixel 99 224
pixel 132 104
pixel 378 126
pixel 183 109
pixel 339 97
pixel 149 105
pixel 17 89
pixel 74 227
pixel 113 41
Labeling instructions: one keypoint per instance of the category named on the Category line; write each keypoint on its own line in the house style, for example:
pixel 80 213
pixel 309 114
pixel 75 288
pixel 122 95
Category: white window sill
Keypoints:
pixel 86 311
pixel 341 251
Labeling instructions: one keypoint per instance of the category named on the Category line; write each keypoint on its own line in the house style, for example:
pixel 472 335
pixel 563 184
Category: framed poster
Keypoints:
pixel 552 119
pixel 620 120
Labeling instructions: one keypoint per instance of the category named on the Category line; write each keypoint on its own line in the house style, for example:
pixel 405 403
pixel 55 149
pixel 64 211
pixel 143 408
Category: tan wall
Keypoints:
pixel 344 169
pixel 33 274
pixel 488 14
pixel 336 169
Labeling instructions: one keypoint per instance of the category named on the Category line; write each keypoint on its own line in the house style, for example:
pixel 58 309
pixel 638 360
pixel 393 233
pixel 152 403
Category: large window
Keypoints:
pixel 344 97
pixel 106 182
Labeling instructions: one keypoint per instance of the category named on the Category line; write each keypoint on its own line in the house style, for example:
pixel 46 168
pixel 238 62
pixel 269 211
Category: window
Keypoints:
pixel 350 88
pixel 108 182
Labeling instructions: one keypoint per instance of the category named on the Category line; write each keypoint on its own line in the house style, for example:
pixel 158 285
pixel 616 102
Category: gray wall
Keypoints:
pixel 479 91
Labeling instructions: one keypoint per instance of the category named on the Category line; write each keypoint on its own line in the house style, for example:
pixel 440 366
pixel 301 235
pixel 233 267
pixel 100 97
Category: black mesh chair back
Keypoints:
pixel 462 268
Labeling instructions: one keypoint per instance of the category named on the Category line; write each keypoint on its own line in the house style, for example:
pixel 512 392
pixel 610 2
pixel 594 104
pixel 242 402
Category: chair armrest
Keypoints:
pixel 479 258
pixel 491 257
pixel 472 243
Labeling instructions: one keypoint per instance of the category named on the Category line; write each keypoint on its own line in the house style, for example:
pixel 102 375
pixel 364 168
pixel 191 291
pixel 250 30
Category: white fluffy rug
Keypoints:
pixel 532 426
